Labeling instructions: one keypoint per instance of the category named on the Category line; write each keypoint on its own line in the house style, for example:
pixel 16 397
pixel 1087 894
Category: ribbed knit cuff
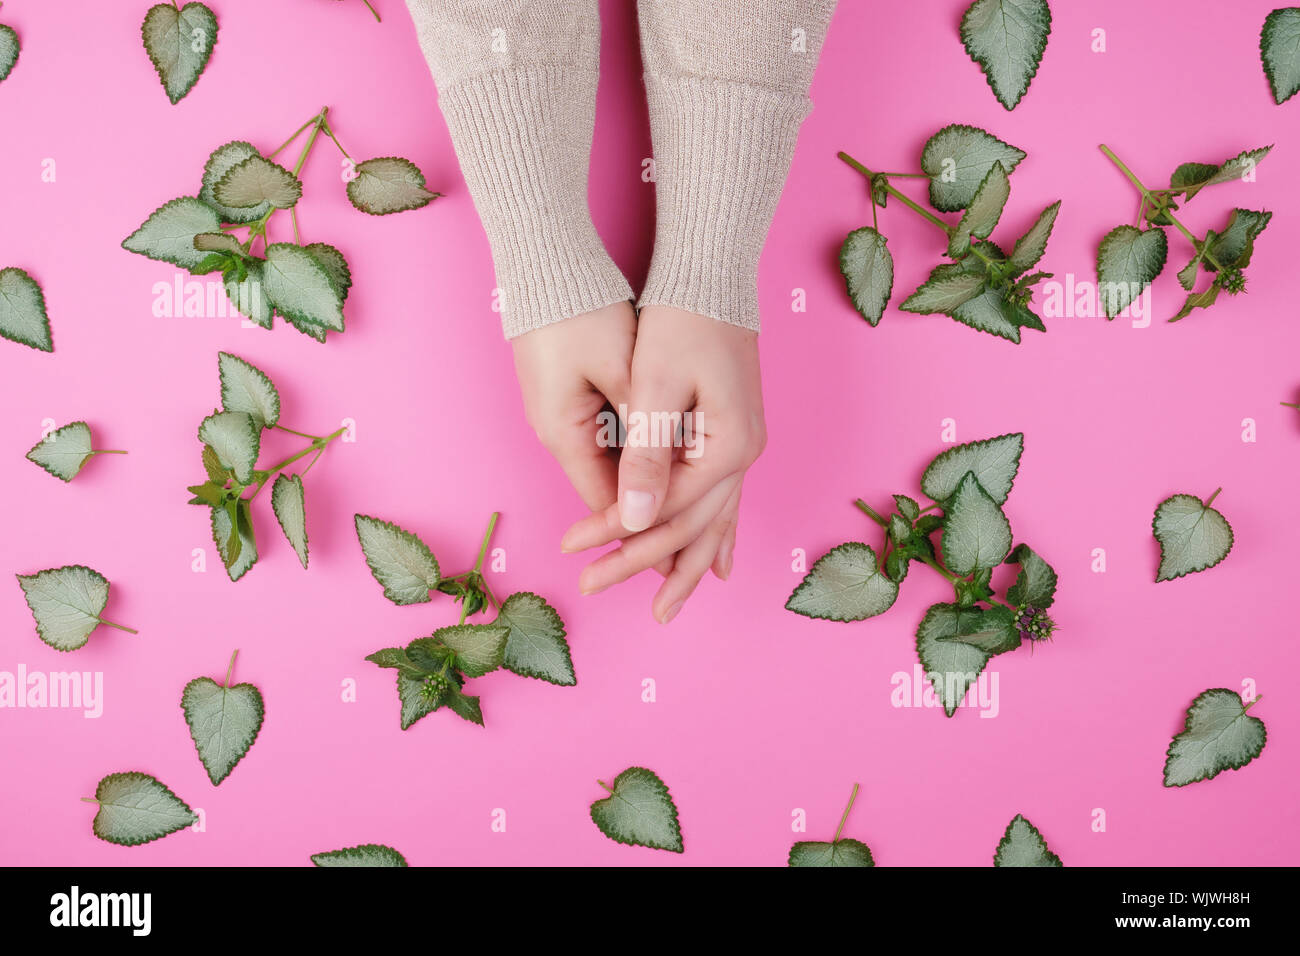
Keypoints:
pixel 722 153
pixel 523 138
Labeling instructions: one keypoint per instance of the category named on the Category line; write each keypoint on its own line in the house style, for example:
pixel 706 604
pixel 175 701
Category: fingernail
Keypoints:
pixel 636 509
pixel 672 611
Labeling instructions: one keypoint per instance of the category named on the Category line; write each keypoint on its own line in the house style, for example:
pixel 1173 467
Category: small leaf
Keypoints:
pixel 464 706
pixel 1007 39
pixel 66 604
pixel 9 50
pixel 179 44
pixel 288 503
pixel 394 657
pixel 957 158
pixel 992 630
pixel 22 311
pixel 332 261
pixel 1023 845
pixel 845 584
pixel 410 691
pixel 238 551
pixel 480 648
pixel 248 295
pixel 950 666
pixel 907 507
pixel 1192 535
pixel 845 852
pixel 536 646
pixel 945 291
pixel 246 388
pixel 367 854
pixel 1191 178
pixel 255 181
pixel 1035 584
pixel 399 560
pixel 639 812
pixel 300 288
pixel 1217 735
pixel 219 242
pixel 223 159
pixel 224 723
pixel 1197 300
pixel 217 472
pixel 992 312
pixel 995 462
pixel 868 271
pixel 1231 246
pixel 1127 260
pixel 1032 245
pixel 168 234
pixel 64 451
pixel 1279 49
pixel 236 438
pixel 983 213
pixel 387 185
pixel 136 808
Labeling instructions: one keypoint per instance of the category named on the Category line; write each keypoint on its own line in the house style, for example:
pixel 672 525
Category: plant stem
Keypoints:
pixel 1290 404
pixel 280 427
pixel 487 538
pixel 318 122
pixel 377 20
pixel 1210 500
pixel 906 201
pixel 90 800
pixel 316 445
pixel 871 513
pixel 1252 703
pixel 293 214
pixel 230 671
pixel 129 630
pixel 285 145
pixel 601 782
pixel 844 818
pixel 329 131
pixel 107 451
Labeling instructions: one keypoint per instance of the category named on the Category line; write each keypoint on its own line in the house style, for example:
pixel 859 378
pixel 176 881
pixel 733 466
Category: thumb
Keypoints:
pixel 644 464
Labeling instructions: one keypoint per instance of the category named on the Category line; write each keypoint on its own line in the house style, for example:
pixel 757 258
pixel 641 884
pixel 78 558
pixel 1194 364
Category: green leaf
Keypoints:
pixel 246 388
pixel 223 159
pixel 845 852
pixel 394 657
pixel 388 184
pixel 63 451
pixel 983 213
pixel 219 242
pixel 907 507
pixel 224 722
pixel 1197 300
pixel 399 560
pixel 957 158
pixel 868 271
pixel 367 854
pixel 9 50
pixel 1192 535
pixel 464 706
pixel 1035 584
pixel 136 808
pixel 536 646
pixel 1191 178
pixel 1127 260
pixel 168 234
pixel 288 503
pixel 900 529
pixel 332 261
pixel 1218 735
pixel 248 295
pixel 995 462
pixel 1236 240
pixel 300 288
pixel 945 291
pixel 179 44
pixel 238 552
pixel 209 493
pixel 1187 274
pixel 1032 245
pixel 1023 845
pixel 480 648
pixel 22 311
pixel 976 534
pixel 1007 39
pixel 992 312
pixel 1279 49
pixel 410 691
pixel 236 438
pixel 254 182
pixel 845 584
pixel 66 603
pixel 951 666
pixel 639 812
pixel 992 630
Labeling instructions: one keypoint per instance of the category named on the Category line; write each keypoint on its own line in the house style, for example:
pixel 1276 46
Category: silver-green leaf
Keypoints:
pixel 224 722
pixel 1035 584
pixel 844 852
pixel 946 290
pixel 236 438
pixel 1007 39
pixel 994 461
pixel 66 604
pixel 639 812
pixel 22 311
pixel 1192 535
pixel 1023 845
pixel 1032 245
pixel 388 184
pixel 238 550
pixel 480 648
pixel 179 43
pixel 536 646
pixel 957 158
pixel 951 666
pixel 845 584
pixel 254 182
pixel 288 501
pixel 1279 49
pixel 983 213
pixel 9 50
pixel 1217 735
pixel 399 560
pixel 367 854
pixel 63 451
pixel 300 288
pixel 868 271
pixel 976 534
pixel 1128 259
pixel 246 388
pixel 168 234
pixel 136 808
pixel 223 159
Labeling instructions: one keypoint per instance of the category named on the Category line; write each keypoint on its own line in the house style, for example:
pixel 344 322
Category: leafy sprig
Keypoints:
pixel 967 485
pixel 1130 257
pixel 526 636
pixel 982 287
pixel 306 284
pixel 232 438
pixel 838 852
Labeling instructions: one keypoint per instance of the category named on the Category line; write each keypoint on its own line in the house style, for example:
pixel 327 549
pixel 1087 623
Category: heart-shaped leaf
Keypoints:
pixel 168 234
pixel 246 388
pixel 1217 735
pixel 1007 39
pixel 367 854
pixel 868 271
pixel 950 665
pixel 639 811
pixel 300 288
pixel 845 852
pixel 224 722
pixel 994 462
pixel 254 182
pixel 957 158
pixel 22 311
pixel 290 507
pixel 67 603
pixel 63 451
pixel 332 261
pixel 536 646
pixel 976 534
pixel 845 584
pixel 388 184
pixel 1127 260
pixel 179 44
pixel 136 808
pixel 1023 845
pixel 399 560
pixel 236 438
pixel 1192 535
pixel 223 159
pixel 1279 48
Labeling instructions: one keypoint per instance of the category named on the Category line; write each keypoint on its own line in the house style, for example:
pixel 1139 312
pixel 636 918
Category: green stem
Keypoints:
pixel 377 20
pixel 916 208
pixel 120 627
pixel 1252 703
pixel 318 122
pixel 316 445
pixel 329 131
pixel 871 513
pixel 601 782
pixel 845 816
pixel 230 671
pixel 285 145
pixel 1210 500
pixel 90 800
pixel 487 538
pixel 107 451
pixel 1290 404
pixel 279 427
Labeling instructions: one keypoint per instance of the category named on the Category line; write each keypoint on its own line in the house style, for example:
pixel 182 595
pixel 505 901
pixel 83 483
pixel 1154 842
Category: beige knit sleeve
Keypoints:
pixel 517 85
pixel 727 82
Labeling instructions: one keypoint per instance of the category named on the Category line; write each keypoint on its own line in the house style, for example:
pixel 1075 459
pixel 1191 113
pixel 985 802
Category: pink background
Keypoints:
pixel 759 712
